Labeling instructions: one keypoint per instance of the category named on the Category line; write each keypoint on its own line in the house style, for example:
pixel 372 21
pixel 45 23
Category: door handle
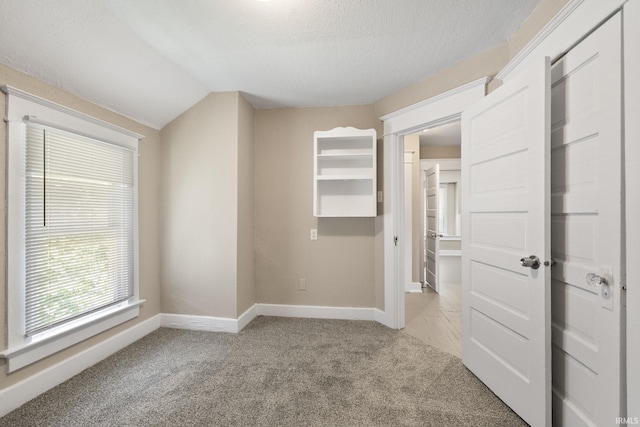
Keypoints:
pixel 595 280
pixel 532 262
pixel 434 235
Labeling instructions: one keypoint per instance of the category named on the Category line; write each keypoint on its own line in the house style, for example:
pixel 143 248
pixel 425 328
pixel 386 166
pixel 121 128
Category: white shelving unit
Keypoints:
pixel 344 171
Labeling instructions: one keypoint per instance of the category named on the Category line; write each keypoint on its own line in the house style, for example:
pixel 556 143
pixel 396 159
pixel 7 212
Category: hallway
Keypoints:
pixel 436 318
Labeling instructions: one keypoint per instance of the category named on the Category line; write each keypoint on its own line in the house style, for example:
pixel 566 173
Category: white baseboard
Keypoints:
pixel 208 323
pixel 223 324
pixel 319 312
pixel 414 288
pixel 199 323
pixel 247 317
pixel 20 393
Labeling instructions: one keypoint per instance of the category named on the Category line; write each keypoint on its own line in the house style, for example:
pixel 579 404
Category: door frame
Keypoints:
pixel 438 110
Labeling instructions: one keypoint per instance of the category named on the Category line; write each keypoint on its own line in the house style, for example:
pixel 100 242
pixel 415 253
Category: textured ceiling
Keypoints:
pixel 152 59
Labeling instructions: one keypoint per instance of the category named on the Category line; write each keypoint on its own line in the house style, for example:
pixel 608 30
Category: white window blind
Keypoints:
pixel 79 203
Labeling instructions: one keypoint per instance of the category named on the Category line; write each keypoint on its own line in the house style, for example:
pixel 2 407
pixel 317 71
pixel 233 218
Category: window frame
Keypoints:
pixel 22 350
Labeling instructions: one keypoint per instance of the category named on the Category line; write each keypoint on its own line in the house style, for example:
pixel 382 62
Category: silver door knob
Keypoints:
pixel 595 280
pixel 531 262
pixel 434 235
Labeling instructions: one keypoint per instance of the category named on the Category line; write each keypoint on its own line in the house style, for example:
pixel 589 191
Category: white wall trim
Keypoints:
pixel 20 393
pixel 575 20
pixel 246 317
pixel 320 312
pixel 199 323
pixel 223 324
pixel 482 82
pixel 20 356
pixel 9 90
pixel 539 38
pixel 415 288
pixel 209 323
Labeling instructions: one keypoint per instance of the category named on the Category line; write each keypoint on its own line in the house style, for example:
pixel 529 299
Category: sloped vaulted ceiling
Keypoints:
pixel 152 59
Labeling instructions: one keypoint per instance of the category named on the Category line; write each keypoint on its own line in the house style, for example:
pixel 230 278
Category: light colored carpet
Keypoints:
pixel 276 372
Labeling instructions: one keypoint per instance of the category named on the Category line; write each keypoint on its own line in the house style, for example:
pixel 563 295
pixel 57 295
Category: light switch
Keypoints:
pixel 314 234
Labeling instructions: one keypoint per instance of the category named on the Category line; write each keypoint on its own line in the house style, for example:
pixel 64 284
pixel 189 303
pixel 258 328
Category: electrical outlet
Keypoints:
pixel 302 284
pixel 314 234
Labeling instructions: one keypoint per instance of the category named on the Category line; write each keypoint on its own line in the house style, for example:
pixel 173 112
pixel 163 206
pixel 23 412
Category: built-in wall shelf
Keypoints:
pixel 344 171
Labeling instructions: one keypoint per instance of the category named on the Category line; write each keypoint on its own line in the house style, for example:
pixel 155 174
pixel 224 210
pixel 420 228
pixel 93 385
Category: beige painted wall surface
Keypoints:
pixel 445 152
pixel 246 292
pixel 339 266
pixel 148 176
pixel 199 205
pixel 412 143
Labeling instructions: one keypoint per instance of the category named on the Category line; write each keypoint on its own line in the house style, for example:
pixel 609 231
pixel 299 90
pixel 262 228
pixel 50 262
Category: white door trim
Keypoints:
pixel 441 109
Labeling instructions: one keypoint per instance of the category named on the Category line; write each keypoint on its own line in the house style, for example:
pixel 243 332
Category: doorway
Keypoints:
pixel 439 110
pixel 433 313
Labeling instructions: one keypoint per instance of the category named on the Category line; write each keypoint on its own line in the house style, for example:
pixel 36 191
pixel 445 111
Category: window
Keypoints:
pixel 78 224
pixel 72 235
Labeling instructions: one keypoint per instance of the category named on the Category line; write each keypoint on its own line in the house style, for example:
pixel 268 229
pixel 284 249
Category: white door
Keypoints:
pixel 432 241
pixel 586 177
pixel 505 219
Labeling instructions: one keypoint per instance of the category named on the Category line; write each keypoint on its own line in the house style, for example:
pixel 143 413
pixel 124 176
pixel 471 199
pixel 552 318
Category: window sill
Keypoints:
pixel 50 342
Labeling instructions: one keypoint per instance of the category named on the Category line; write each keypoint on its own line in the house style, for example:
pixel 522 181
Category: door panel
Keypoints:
pixel 505 217
pixel 432 245
pixel 586 229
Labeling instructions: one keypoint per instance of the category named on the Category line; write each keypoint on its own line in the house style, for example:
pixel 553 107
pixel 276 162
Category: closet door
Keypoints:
pixel 586 229
pixel 505 235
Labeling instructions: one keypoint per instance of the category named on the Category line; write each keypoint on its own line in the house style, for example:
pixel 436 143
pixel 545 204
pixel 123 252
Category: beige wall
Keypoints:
pixel 200 209
pixel 339 266
pixel 246 292
pixel 412 143
pixel 148 190
pixel 446 152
